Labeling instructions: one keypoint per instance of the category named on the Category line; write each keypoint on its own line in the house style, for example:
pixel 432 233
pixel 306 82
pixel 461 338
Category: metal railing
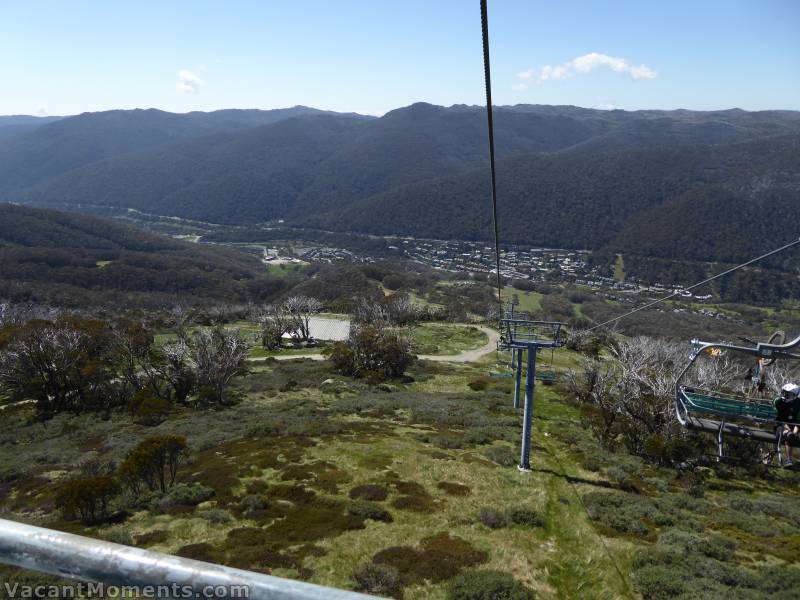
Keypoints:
pixel 85 559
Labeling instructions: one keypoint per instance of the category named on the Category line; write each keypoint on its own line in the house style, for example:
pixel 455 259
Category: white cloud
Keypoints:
pixel 188 82
pixel 517 87
pixel 587 63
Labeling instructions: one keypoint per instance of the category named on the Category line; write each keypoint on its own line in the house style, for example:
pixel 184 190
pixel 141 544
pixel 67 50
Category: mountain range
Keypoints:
pixel 674 184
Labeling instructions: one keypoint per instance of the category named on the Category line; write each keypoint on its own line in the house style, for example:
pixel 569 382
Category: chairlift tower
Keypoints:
pixel 520 334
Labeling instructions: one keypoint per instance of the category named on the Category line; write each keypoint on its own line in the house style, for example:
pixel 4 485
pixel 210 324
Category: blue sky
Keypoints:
pixel 71 56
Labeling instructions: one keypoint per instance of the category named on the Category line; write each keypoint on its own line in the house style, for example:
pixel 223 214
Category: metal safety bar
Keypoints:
pixel 85 559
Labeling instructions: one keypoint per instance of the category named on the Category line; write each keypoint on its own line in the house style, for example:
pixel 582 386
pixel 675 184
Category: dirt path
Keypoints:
pixel 462 357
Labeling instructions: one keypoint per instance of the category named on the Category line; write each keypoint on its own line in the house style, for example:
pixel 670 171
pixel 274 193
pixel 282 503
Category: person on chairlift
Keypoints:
pixel 787 408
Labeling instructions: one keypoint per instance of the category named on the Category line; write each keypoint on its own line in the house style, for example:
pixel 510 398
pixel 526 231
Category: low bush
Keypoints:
pixel 373 578
pixel 184 495
pixel 367 510
pixel 375 493
pixel 454 489
pixel 218 516
pixel 522 516
pixel 625 513
pixel 87 499
pixel 252 503
pixel 439 557
pixel 147 408
pixel 117 535
pixel 488 585
pixel 479 385
pixel 526 517
pixel 203 551
pixel 493 519
pixel 502 455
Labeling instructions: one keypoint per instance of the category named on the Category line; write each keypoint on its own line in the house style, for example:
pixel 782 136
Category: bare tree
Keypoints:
pixel 300 309
pixel 62 366
pixel 401 310
pixel 216 356
pixel 274 322
pixel 369 312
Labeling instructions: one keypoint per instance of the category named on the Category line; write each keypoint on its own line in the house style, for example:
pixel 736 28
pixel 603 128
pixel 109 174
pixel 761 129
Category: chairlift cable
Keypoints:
pixel 696 285
pixel 490 122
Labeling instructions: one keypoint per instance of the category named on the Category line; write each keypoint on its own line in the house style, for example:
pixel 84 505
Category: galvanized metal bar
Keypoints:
pixel 518 378
pixel 527 418
pixel 85 559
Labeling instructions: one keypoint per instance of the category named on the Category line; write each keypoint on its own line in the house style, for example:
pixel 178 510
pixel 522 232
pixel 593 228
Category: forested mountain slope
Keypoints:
pixel 54 147
pixel 78 260
pixel 568 176
pixel 697 202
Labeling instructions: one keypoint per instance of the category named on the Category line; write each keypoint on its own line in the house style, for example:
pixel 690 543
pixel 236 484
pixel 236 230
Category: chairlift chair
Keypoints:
pixel 725 414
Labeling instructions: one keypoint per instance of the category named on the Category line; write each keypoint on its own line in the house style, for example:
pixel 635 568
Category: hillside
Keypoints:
pixel 578 177
pixel 74 260
pixel 702 202
pixel 47 148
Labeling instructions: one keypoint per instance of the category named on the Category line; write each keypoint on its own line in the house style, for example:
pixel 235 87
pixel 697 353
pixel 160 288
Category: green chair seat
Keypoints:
pixel 696 402
pixel 546 376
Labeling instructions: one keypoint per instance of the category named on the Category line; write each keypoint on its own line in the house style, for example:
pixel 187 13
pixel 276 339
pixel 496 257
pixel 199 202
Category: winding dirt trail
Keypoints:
pixel 468 355
pixel 462 357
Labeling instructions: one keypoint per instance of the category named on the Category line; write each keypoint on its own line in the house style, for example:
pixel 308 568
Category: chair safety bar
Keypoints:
pixel 85 559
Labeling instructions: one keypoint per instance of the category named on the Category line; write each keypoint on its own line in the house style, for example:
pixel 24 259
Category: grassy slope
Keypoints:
pixel 446 339
pixel 351 434
pixel 530 302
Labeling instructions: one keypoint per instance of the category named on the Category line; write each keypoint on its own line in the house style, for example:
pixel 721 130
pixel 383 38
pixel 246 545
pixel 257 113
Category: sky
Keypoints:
pixel 62 57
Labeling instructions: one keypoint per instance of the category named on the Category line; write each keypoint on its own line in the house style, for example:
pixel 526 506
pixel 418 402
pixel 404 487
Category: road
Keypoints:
pixel 462 357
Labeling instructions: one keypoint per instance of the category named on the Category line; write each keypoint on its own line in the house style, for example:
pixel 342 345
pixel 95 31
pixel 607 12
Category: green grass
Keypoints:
pixel 301 447
pixel 283 270
pixel 259 352
pixel 446 339
pixel 530 302
pixel 619 268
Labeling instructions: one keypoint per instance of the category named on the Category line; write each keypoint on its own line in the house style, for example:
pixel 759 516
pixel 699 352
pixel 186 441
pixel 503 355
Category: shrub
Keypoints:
pixel 252 503
pixel 87 498
pixel 153 462
pixel 502 455
pixel 439 557
pixel 657 582
pixel 478 385
pixel 203 551
pixel 117 535
pixel 157 536
pixel 376 353
pixel 454 489
pixel 147 408
pixel 369 492
pixel 367 510
pixel 217 516
pixel 184 495
pixel 488 585
pixel 526 517
pixel 625 513
pixel 378 579
pixel 493 519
